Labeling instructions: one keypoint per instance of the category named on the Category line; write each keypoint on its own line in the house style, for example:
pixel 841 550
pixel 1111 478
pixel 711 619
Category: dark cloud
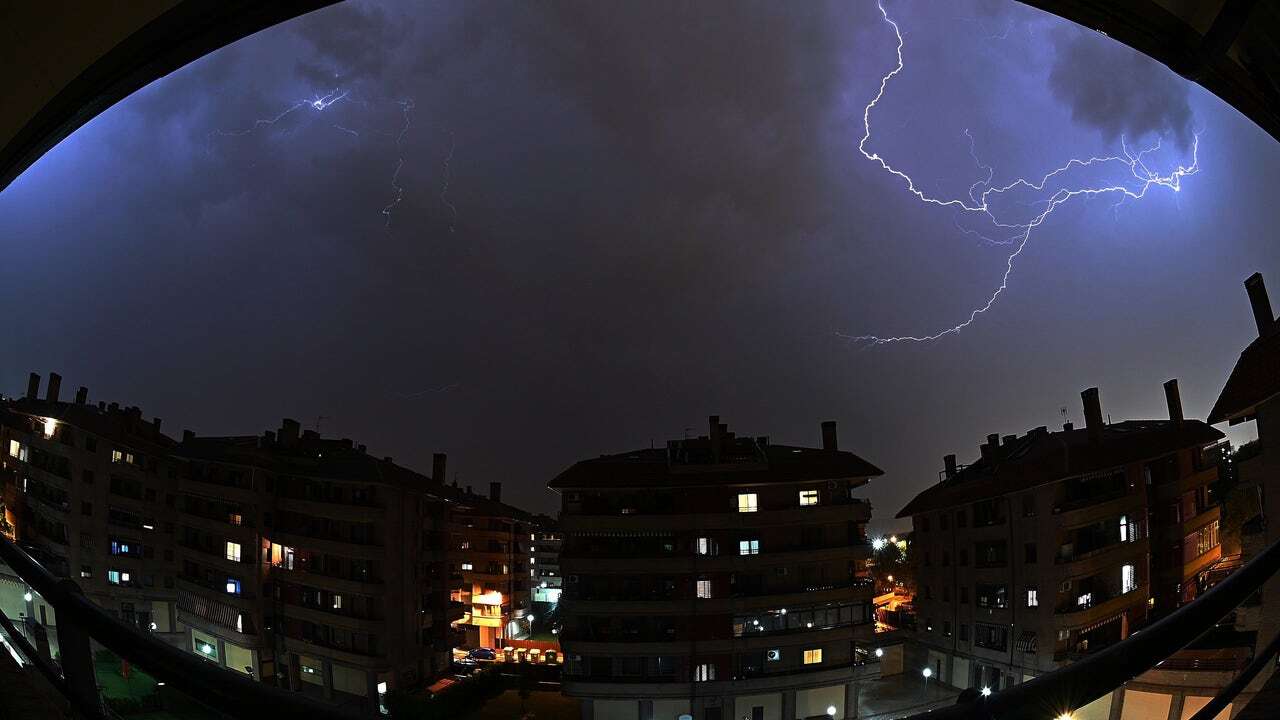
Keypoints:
pixel 352 42
pixel 1118 90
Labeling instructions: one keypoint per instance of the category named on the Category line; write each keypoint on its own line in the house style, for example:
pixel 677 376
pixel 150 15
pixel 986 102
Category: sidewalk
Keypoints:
pixel 900 695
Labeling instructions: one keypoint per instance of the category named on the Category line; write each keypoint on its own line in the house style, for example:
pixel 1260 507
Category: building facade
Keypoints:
pixel 1252 394
pixel 546 582
pixel 721 577
pixel 1054 545
pixel 489 564
pixel 301 561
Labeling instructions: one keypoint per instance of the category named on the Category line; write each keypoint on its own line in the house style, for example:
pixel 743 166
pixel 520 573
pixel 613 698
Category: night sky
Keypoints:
pixel 619 218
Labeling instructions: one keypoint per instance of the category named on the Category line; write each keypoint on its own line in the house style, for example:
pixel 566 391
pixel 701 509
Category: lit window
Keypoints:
pixel 235 519
pixel 15 448
pixel 337 602
pixel 239 622
pixel 308 670
pixel 1033 597
pixel 748 502
pixel 233 551
pixel 467 566
pixel 113 577
pixel 1085 599
pixel 813 657
pixel 704 546
pixel 808 497
pixel 233 586
pixel 49 426
pixel 1124 529
pixel 1128 579
pixel 704 672
pixel 748 547
pixel 704 588
pixel 117 456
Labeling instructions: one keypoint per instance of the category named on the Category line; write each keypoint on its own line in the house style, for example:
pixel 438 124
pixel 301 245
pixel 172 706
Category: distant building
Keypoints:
pixel 722 577
pixel 488 565
pixel 1053 545
pixel 545 579
pixel 1252 394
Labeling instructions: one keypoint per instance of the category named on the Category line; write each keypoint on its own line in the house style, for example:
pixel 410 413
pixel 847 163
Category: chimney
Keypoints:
pixel 1008 439
pixel 33 386
pixel 1174 401
pixel 829 435
pixel 155 422
pixel 1261 305
pixel 988 448
pixel 714 436
pixel 495 491
pixel 1092 414
pixel 289 432
pixel 102 406
pixel 82 395
pixel 188 436
pixel 55 387
pixel 949 462
pixel 439 463
pixel 1068 427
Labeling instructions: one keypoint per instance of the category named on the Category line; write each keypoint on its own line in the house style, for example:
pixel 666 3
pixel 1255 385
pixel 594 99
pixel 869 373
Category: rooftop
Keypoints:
pixel 1254 379
pixel 1041 457
pixel 720 458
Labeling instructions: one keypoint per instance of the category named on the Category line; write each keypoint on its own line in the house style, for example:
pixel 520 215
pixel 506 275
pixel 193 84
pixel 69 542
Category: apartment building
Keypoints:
pixel 1252 394
pixel 546 582
pixel 90 492
pixel 720 577
pixel 489 564
pixel 299 560
pixel 1053 545
pixel 311 564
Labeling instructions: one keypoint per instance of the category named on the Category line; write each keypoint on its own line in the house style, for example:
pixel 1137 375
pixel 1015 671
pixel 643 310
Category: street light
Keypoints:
pixel 928 673
pixel 877 544
pixel 831 710
pixel 26 596
pixel 879 652
pixel 986 692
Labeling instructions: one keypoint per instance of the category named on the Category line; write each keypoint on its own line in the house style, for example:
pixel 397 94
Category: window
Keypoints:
pixel 942 522
pixel 233 551
pixel 117 577
pixel 117 456
pixel 992 637
pixel 813 656
pixel 233 586
pixel 808 497
pixel 235 519
pixel 946 628
pixel 468 566
pixel 86 507
pixel 1028 506
pixel 15 449
pixel 706 546
pixel 946 559
pixel 1033 597
pixel 962 518
pixel 964 557
pixel 1128 579
pixel 704 672
pixel 1124 528
pixel 704 588
pixel 748 502
pixel 992 596
pixel 87 476
pixel 1084 600
pixel 337 602
pixel 964 594
pixel 924 524
pixel 91 444
pixel 964 632
pixel 1029 553
pixel 748 547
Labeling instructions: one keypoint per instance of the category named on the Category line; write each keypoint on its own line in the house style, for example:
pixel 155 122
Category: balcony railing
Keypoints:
pixel 80 620
pixel 1060 692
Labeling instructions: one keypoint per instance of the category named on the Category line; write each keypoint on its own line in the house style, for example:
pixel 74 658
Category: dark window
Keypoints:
pixel 1028 506
pixel 924 524
pixel 990 554
pixel 964 632
pixel 87 476
pixel 992 637
pixel 946 559
pixel 1030 552
pixel 86 508
pixel 992 596
pixel 946 593
pixel 962 518
pixel 90 443
pixel 942 522
pixel 964 594
pixel 946 628
pixel 964 557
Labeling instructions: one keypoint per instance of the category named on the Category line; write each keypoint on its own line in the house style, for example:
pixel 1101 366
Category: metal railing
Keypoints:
pixel 80 620
pixel 1065 690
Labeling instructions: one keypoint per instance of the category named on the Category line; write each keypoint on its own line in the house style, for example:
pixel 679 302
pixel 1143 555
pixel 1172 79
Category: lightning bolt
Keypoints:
pixel 1138 179
pixel 406 107
pixel 321 103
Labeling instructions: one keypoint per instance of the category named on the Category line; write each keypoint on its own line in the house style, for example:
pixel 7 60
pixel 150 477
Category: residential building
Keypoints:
pixel 310 563
pixel 546 582
pixel 1252 394
pixel 720 577
pixel 299 560
pixel 1053 545
pixel 488 564
pixel 92 494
